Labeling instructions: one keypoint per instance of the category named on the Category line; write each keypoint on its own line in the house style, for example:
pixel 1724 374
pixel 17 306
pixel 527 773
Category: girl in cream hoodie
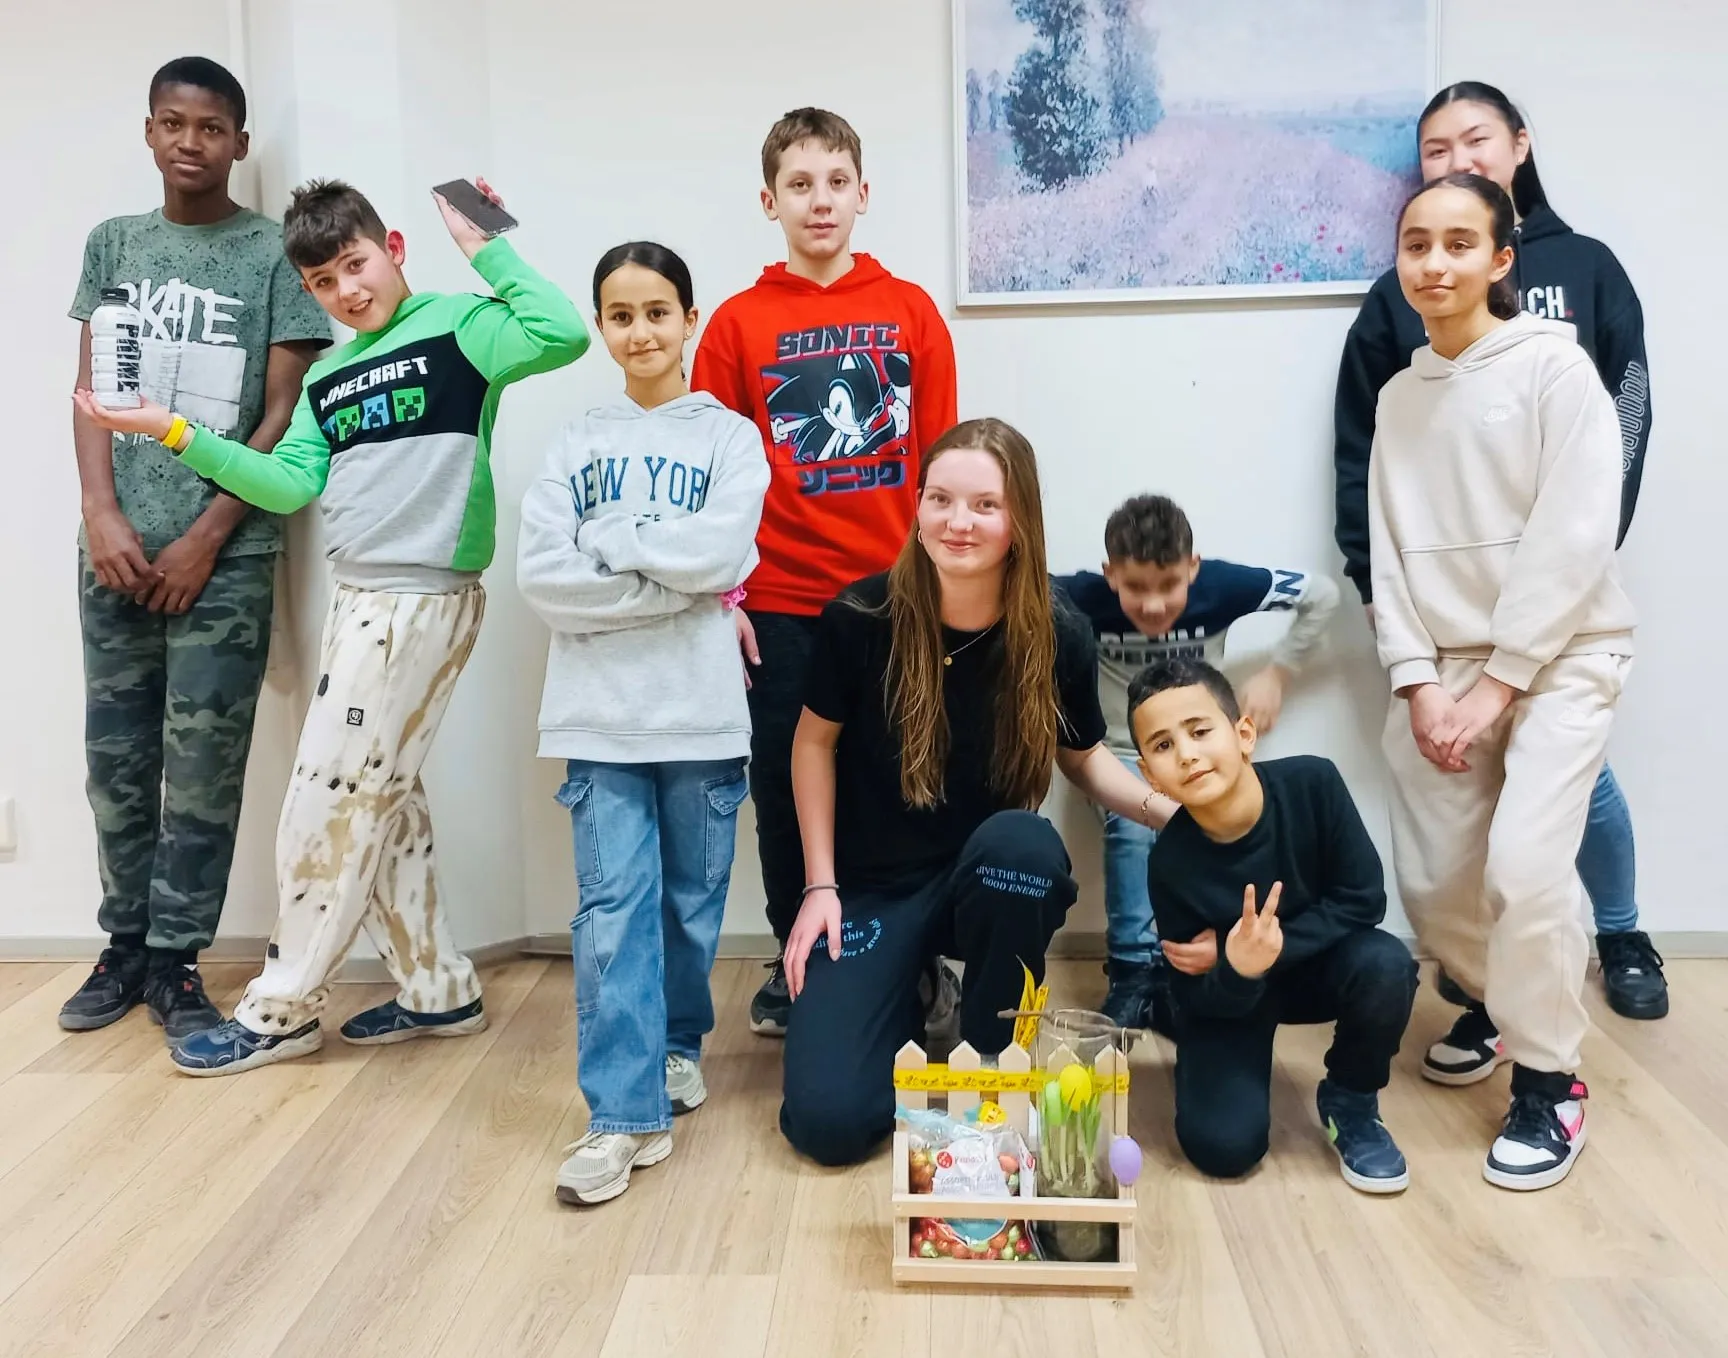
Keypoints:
pixel 1494 496
pixel 634 541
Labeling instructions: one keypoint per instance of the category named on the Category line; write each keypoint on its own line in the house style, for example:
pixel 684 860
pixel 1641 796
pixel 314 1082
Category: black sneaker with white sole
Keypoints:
pixel 114 985
pixel 1632 975
pixel 1543 1132
pixel 1466 1054
pixel 771 1010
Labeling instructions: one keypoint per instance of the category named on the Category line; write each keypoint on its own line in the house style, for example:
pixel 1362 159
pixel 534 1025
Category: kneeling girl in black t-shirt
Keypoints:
pixel 938 696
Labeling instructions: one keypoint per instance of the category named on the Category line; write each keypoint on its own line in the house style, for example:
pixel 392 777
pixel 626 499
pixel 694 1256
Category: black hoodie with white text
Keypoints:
pixel 1560 276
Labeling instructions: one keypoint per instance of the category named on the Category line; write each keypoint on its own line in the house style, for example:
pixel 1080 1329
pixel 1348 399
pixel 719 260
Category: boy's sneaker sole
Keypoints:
pixel 653 1151
pixel 1547 1178
pixel 465 1028
pixel 1363 1184
pixel 1457 1078
pixel 89 1023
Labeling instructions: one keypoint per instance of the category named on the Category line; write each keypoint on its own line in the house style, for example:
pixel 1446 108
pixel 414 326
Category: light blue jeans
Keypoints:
pixel 1608 860
pixel 1607 865
pixel 653 861
pixel 1129 933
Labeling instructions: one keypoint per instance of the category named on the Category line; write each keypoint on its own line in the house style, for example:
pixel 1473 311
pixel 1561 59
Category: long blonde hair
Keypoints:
pixel 1025 692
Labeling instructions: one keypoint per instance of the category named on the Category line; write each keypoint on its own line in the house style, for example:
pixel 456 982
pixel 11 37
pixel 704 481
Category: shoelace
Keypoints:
pixel 1532 1118
pixel 1632 952
pixel 586 1140
pixel 679 1065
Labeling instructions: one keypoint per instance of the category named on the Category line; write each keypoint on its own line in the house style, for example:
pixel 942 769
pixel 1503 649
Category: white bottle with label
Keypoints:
pixel 116 351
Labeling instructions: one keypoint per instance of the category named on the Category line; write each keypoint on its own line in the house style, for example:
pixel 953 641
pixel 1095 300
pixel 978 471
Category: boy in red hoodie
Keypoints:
pixel 849 374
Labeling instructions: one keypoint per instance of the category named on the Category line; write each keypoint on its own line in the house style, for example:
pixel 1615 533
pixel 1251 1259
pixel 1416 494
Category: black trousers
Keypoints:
pixel 1366 983
pixel 997 907
pixel 776 702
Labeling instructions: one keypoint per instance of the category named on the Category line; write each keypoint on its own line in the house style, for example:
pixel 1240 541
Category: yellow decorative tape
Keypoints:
pixel 939 1078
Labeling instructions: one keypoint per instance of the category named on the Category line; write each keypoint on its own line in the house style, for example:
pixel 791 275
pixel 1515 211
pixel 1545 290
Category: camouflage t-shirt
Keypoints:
pixel 214 299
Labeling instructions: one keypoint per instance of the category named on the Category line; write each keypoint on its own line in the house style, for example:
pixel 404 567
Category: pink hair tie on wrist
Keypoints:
pixel 733 597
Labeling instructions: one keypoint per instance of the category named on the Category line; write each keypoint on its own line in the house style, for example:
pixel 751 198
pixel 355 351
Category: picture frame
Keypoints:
pixel 1272 171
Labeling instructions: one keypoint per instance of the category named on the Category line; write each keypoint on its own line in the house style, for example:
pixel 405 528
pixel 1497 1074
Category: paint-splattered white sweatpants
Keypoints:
pixel 354 845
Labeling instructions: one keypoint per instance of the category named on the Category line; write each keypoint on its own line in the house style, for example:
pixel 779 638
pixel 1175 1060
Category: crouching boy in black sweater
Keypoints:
pixel 1268 893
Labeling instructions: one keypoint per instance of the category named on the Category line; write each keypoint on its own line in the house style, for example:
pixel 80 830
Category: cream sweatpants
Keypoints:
pixel 1486 860
pixel 354 845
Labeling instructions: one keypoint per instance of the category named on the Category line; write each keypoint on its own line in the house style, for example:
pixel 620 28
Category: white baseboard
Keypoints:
pixel 1078 944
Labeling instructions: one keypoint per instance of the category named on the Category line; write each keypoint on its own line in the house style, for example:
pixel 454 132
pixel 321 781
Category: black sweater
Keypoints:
pixel 1309 837
pixel 1560 276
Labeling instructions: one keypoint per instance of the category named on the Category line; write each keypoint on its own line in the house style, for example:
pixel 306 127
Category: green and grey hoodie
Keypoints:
pixel 394 430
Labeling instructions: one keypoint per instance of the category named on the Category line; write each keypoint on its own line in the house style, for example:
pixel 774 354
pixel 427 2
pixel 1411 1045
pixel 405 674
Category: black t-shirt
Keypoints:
pixel 1309 837
pixel 878 839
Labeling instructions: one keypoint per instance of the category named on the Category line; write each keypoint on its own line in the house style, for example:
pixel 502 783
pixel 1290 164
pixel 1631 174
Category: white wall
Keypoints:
pixel 600 127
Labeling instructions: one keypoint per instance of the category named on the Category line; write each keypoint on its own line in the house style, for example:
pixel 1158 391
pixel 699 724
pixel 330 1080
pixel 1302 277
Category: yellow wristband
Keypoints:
pixel 176 432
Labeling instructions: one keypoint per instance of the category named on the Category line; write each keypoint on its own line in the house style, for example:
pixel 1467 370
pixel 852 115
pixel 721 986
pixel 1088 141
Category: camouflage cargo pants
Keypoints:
pixel 169 701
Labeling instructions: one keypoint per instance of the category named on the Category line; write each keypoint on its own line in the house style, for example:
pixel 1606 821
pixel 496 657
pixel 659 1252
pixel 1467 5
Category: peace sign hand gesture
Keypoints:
pixel 1255 940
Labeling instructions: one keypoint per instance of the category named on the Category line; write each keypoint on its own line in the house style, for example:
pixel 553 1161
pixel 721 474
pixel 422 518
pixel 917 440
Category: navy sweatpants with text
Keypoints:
pixel 998 907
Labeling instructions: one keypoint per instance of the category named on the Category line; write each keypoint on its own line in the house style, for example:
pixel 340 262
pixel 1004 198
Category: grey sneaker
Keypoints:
pixel 684 1084
pixel 599 1166
pixel 939 992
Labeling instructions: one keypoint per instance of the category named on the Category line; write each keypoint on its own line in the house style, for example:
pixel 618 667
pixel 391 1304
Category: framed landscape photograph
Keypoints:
pixel 1162 150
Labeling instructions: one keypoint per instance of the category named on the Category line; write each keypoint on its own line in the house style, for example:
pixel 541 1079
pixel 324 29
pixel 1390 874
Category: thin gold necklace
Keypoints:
pixel 948 659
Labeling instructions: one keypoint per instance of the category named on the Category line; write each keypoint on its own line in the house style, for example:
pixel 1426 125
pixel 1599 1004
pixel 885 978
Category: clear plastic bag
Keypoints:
pixel 954 1158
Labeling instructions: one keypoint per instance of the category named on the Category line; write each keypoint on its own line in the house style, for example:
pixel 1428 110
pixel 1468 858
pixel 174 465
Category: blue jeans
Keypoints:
pixel 653 860
pixel 1608 860
pixel 1129 933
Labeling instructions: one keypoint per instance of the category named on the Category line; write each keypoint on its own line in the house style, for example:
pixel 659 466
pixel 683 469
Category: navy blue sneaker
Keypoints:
pixel 1367 1155
pixel 390 1022
pixel 231 1047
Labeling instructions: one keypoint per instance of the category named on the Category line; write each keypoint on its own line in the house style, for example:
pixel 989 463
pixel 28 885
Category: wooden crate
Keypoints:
pixel 1017 1104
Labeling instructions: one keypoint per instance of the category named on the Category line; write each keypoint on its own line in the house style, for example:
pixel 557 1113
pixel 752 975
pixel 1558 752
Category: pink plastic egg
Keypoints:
pixel 1125 1160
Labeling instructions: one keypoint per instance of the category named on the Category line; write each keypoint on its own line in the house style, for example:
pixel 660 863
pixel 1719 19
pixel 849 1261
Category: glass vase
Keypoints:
pixel 1073 1155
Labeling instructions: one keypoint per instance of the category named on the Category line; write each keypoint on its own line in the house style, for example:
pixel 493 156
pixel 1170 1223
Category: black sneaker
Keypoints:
pixel 177 1002
pixel 114 986
pixel 1130 993
pixel 1450 991
pixel 1632 975
pixel 1542 1135
pixel 1466 1054
pixel 772 1007
pixel 1368 1157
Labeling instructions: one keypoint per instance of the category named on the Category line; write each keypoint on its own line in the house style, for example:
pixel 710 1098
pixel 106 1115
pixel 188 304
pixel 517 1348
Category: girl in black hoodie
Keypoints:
pixel 1559 276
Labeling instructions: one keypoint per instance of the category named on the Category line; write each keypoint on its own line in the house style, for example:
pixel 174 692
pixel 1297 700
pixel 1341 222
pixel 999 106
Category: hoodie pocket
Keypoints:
pixel 1455 588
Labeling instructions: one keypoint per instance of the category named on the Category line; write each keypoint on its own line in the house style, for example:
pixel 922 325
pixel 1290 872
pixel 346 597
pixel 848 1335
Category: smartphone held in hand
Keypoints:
pixel 487 217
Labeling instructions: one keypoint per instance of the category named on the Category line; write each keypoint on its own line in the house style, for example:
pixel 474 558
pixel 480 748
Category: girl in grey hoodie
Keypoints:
pixel 635 539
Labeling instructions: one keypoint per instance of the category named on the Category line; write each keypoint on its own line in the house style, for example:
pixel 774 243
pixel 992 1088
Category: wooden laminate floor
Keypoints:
pixel 370 1202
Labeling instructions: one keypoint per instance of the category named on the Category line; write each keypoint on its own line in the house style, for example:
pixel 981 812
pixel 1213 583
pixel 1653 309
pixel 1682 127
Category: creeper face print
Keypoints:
pixel 347 423
pixel 409 403
pixel 375 412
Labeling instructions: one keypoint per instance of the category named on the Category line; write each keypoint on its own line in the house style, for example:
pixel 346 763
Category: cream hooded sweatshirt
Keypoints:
pixel 1494 498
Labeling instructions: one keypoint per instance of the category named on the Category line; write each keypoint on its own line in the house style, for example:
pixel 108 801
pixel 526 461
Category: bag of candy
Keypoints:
pixel 963 1159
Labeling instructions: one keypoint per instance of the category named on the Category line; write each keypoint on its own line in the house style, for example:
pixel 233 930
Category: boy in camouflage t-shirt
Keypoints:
pixel 177 577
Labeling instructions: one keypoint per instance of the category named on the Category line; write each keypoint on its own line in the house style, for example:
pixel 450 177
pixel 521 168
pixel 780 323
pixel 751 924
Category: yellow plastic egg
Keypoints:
pixel 1075 1082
